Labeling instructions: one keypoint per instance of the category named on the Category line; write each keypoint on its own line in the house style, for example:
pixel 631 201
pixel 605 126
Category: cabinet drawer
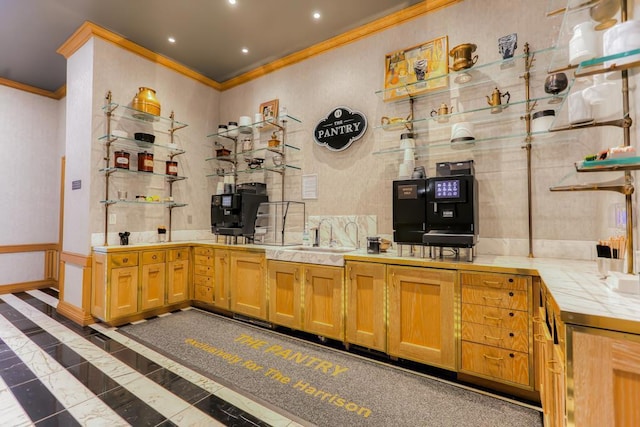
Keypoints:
pixel 205 270
pixel 180 254
pixel 203 293
pixel 513 339
pixel 153 257
pixel 503 298
pixel 202 280
pixel 495 280
pixel 203 251
pixel 493 316
pixel 124 260
pixel 203 260
pixel 495 362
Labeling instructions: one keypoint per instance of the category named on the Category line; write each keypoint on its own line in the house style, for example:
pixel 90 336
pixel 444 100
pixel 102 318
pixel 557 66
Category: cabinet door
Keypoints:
pixel 421 315
pixel 365 301
pixel 221 278
pixel 323 299
pixel 177 281
pixel 247 284
pixel 124 292
pixel 152 289
pixel 285 293
pixel 606 378
pixel 99 286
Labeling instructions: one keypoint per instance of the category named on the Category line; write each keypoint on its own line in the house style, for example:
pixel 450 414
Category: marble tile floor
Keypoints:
pixel 56 373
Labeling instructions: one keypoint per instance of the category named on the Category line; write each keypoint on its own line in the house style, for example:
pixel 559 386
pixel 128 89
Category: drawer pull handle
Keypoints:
pixel 496 359
pixel 493 298
pixel 497 319
pixel 539 338
pixel 491 283
pixel 154 257
pixel 492 338
pixel 510 294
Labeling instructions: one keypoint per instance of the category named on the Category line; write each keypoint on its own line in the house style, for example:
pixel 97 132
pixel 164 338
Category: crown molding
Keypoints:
pixel 30 89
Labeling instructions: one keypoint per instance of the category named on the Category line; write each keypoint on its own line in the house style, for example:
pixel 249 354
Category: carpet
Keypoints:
pixel 324 386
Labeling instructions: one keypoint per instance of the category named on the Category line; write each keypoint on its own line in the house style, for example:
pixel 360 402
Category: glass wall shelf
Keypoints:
pixel 261 150
pixel 120 141
pixel 128 112
pixel 477 75
pixel 263 125
pixel 575 181
pixel 250 171
pixel 619 164
pixel 109 171
pixel 618 62
pixel 135 202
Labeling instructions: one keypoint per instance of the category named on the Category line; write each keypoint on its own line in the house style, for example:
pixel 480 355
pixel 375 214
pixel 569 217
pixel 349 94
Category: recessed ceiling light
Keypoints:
pixel 316 15
pixel 245 50
pixel 171 39
pixel 232 2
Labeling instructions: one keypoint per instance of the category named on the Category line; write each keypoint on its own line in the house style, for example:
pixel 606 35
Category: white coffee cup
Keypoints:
pixel 410 165
pixel 583 44
pixel 409 154
pixel 407 140
pixel 404 171
pixel 257 119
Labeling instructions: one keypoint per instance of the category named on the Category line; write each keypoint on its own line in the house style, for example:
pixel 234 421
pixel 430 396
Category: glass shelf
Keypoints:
pixel 134 202
pixel 134 114
pixel 619 164
pixel 136 144
pixel 231 158
pixel 618 62
pixel 265 124
pixel 168 177
pixel 248 171
pixel 574 181
pixel 477 75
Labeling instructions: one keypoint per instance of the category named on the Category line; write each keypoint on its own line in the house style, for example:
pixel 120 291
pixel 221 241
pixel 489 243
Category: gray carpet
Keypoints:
pixel 323 386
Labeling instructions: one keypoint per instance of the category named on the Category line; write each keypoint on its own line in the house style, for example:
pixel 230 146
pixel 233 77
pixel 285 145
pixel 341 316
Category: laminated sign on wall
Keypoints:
pixel 340 129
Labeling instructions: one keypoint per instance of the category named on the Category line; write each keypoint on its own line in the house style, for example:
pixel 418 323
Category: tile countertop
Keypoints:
pixel 582 296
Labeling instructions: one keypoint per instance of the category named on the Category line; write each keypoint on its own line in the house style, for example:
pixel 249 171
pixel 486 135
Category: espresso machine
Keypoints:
pixel 234 214
pixel 452 209
pixel 409 212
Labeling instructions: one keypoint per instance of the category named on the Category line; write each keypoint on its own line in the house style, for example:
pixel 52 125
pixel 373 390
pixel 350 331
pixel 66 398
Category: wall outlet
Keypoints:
pixel 112 219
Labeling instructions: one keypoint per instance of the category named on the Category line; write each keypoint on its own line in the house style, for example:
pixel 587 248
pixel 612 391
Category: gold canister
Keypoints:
pixel 146 101
pixel 462 56
pixel 274 141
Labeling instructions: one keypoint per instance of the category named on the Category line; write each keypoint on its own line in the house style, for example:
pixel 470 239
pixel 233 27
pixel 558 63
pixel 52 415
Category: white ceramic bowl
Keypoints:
pixel 462 131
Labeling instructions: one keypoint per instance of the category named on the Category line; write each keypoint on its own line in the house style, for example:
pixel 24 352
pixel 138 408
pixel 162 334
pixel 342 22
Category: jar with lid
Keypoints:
pixel 121 159
pixel 233 129
pixel 171 168
pixel 145 162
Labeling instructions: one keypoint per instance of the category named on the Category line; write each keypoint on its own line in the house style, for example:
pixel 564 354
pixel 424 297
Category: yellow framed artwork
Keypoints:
pixel 416 70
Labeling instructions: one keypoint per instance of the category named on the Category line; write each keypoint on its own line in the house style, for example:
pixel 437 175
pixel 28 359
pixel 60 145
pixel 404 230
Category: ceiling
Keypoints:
pixel 210 34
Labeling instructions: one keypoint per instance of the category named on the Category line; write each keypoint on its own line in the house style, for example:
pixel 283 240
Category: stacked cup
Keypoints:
pixel 408 144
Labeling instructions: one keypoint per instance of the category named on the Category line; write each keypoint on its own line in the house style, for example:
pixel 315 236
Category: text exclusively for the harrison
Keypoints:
pixel 302 359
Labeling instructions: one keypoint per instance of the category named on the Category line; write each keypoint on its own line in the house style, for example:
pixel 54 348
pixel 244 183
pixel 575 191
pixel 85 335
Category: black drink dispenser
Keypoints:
pixel 409 211
pixel 452 208
pixel 234 214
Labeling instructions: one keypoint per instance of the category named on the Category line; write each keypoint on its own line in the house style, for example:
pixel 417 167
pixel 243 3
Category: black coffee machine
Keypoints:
pixel 452 208
pixel 234 214
pixel 409 212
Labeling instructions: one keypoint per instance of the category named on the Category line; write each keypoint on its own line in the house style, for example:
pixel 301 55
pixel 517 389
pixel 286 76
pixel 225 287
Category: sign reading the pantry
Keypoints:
pixel 340 129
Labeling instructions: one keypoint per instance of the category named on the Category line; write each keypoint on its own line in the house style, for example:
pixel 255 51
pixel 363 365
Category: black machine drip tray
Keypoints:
pixel 451 239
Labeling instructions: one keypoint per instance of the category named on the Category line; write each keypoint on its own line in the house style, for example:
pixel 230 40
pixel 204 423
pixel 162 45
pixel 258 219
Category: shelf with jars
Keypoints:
pixel 119 145
pixel 602 50
pixel 237 146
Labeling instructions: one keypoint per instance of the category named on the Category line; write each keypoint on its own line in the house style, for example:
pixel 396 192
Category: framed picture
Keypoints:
pixel 417 69
pixel 269 110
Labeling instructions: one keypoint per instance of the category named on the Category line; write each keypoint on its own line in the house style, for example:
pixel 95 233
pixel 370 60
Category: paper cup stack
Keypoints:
pixel 408 144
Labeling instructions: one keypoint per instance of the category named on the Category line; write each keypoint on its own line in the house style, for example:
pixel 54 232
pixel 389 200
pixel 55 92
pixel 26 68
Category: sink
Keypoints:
pixel 326 250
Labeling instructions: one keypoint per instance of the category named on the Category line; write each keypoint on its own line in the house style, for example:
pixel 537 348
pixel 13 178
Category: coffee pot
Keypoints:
pixel 495 100
pixel 124 237
pixel 443 110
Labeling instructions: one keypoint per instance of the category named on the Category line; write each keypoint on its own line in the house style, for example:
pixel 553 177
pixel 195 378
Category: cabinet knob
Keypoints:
pixel 154 257
pixel 511 314
pixel 511 334
pixel 511 355
pixel 125 259
pixel 510 279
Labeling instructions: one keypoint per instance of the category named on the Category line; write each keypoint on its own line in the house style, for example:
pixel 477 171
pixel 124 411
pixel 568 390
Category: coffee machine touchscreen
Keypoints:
pixel 226 201
pixel 448 189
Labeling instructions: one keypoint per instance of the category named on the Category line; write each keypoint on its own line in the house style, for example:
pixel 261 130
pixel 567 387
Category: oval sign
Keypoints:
pixel 340 129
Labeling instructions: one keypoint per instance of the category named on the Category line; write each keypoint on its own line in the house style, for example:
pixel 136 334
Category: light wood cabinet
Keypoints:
pixel 177 275
pixel 422 315
pixel 606 378
pixel 495 332
pixel 132 285
pixel 323 301
pixel 366 305
pixel 152 274
pixel 221 278
pixel 247 283
pixel 285 293
pixel 203 274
